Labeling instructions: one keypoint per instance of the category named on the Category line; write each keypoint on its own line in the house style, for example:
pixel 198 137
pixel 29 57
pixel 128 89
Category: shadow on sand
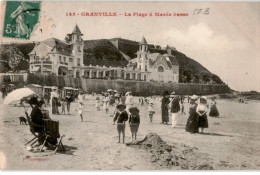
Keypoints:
pixel 69 150
pixel 215 134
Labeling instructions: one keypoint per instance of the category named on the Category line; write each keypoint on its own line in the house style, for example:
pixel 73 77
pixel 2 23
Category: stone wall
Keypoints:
pixel 136 87
pixel 147 88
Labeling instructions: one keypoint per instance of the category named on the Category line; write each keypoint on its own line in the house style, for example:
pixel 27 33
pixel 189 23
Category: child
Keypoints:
pixel 121 117
pixel 106 103
pixel 201 110
pixel 63 103
pixel 97 103
pixel 80 110
pixel 151 112
pixel 134 121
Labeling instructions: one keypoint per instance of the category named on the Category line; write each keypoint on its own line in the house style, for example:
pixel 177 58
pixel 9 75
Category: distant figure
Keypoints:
pixel 175 108
pixel 80 105
pixel 69 99
pixel 97 104
pixel 164 107
pixel 106 103
pixel 112 99
pixel 202 113
pixel 128 101
pixel 134 121
pixel 54 101
pixel 213 109
pixel 4 92
pixel 63 104
pixel 151 112
pixel 192 125
pixel 121 117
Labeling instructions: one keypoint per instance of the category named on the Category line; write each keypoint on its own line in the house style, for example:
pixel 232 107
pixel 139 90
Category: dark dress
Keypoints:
pixel 55 102
pixel 38 119
pixel 193 121
pixel 121 118
pixel 164 107
pixel 134 122
pixel 213 110
pixel 203 121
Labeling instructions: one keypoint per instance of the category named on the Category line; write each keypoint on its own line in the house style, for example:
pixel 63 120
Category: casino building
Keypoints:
pixel 56 57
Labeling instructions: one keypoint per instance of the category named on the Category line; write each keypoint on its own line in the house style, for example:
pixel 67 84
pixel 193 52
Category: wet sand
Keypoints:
pixel 231 142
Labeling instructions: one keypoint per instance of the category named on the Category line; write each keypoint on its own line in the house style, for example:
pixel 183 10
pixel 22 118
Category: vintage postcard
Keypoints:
pixel 129 85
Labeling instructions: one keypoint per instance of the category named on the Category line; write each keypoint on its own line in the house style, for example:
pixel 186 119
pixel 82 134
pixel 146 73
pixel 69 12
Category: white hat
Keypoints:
pixel 54 87
pixel 126 94
pixel 194 97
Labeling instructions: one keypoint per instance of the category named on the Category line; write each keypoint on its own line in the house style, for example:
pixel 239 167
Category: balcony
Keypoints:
pixel 39 62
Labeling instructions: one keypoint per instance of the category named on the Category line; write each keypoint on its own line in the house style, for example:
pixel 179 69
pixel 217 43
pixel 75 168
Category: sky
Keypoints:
pixel 225 41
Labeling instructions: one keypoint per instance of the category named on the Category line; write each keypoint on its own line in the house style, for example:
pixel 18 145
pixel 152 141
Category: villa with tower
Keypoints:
pixel 57 57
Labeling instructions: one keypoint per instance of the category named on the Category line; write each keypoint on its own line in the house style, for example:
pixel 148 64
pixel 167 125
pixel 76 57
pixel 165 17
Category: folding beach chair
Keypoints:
pixel 51 129
pixel 32 126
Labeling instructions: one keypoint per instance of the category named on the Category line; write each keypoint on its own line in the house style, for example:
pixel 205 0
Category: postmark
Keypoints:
pixel 20 18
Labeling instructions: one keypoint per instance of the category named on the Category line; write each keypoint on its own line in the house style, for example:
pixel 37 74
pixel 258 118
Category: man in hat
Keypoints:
pixel 69 99
pixel 121 117
pixel 175 108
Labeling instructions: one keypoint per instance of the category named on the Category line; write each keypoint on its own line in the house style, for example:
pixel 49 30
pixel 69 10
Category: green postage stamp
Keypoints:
pixel 20 18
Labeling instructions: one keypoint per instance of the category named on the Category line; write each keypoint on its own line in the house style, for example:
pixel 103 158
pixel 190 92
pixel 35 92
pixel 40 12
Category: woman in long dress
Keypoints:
pixel 54 101
pixel 213 109
pixel 192 125
pixel 165 107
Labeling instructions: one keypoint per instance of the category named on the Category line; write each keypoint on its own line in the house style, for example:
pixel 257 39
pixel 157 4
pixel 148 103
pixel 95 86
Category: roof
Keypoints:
pixel 133 60
pixel 64 69
pixel 172 59
pixel 143 41
pixel 76 30
pixel 60 46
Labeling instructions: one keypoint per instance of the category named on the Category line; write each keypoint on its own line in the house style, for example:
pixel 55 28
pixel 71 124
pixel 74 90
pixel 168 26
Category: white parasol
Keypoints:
pixel 17 95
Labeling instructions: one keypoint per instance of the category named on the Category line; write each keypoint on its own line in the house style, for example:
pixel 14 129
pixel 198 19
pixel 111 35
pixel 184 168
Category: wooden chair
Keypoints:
pixel 32 126
pixel 51 129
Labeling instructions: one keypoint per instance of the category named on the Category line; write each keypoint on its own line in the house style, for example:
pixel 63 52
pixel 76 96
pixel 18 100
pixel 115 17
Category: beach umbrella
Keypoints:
pixel 18 94
pixel 115 91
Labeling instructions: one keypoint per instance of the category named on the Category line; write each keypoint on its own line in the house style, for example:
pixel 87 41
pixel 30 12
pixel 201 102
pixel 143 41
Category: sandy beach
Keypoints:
pixel 232 141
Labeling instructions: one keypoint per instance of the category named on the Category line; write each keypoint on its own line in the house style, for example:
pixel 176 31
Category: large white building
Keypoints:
pixel 160 68
pixel 56 56
pixel 53 56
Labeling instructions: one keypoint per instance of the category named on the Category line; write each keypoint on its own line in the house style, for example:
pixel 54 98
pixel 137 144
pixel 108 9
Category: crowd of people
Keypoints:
pixel 125 109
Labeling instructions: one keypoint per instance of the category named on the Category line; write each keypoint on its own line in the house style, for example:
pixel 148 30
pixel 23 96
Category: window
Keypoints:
pixel 79 49
pixel 71 59
pixel 139 67
pixel 160 69
pixel 78 62
pixel 64 59
pixel 60 59
pixel 145 67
